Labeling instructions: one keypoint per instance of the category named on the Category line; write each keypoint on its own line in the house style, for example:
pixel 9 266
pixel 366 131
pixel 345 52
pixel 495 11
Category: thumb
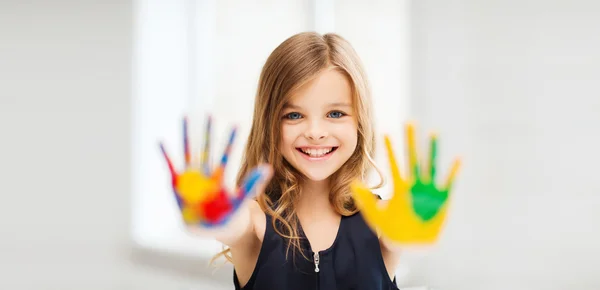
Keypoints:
pixel 255 182
pixel 366 202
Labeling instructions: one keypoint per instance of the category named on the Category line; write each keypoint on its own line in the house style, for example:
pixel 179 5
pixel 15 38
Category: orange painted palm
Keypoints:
pixel 199 190
pixel 417 210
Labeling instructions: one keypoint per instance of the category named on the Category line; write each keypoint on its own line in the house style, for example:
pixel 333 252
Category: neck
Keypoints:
pixel 314 200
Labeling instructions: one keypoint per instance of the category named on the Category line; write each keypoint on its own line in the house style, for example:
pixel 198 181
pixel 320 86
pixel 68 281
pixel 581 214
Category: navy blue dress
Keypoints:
pixel 354 261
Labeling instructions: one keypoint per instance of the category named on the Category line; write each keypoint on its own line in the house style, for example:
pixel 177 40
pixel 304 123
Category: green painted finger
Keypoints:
pixel 432 158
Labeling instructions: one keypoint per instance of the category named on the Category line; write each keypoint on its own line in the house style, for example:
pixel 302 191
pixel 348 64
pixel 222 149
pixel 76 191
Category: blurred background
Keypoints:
pixel 88 88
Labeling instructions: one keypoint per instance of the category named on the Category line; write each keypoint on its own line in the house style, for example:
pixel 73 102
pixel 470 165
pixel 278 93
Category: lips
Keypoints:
pixel 316 152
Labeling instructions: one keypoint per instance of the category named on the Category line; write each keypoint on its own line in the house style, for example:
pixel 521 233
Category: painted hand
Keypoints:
pixel 199 191
pixel 417 209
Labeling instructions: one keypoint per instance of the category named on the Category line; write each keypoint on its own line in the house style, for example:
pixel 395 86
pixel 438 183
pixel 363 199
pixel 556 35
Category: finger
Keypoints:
pixel 395 170
pixel 206 150
pixel 412 150
pixel 366 202
pixel 452 175
pixel 225 157
pixel 218 174
pixel 169 163
pixel 432 158
pixel 186 144
pixel 255 182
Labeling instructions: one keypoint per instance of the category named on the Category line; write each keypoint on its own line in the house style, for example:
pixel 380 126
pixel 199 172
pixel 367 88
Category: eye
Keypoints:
pixel 336 114
pixel 293 116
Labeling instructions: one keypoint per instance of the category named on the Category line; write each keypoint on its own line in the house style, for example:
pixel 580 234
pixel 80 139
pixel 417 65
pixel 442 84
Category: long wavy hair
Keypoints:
pixel 292 64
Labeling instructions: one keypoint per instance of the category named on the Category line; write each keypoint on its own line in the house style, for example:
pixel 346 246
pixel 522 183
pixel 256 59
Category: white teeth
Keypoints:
pixel 316 152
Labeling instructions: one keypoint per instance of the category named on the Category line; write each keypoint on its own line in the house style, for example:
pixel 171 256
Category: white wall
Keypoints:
pixel 513 85
pixel 65 125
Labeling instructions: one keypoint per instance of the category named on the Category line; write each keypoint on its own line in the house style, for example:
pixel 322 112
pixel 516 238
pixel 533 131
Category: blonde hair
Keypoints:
pixel 293 63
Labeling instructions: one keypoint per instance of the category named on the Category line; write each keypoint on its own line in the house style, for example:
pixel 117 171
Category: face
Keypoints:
pixel 319 131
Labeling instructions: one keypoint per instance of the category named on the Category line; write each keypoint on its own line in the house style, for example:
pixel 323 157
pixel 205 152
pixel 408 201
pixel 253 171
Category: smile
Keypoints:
pixel 316 152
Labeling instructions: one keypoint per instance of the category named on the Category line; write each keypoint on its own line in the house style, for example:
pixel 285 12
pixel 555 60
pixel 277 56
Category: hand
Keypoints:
pixel 200 194
pixel 417 210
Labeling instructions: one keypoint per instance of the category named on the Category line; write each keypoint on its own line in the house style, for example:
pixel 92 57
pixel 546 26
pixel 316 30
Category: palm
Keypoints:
pixel 199 191
pixel 417 210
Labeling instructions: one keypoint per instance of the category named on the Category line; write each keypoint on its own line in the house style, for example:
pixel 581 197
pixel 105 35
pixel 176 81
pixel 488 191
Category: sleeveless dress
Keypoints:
pixel 354 261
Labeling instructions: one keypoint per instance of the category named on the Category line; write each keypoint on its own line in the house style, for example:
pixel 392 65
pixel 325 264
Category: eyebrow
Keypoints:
pixel 292 106
pixel 340 105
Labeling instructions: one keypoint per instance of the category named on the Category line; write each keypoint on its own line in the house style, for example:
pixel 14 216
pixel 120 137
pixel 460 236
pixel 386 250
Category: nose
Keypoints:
pixel 315 131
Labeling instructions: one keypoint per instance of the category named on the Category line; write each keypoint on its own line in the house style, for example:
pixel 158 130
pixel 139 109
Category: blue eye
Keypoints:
pixel 336 114
pixel 293 116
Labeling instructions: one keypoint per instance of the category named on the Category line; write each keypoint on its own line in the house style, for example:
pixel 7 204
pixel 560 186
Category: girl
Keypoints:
pixel 313 126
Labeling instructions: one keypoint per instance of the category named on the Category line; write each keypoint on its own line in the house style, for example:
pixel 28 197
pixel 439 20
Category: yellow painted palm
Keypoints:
pixel 416 212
